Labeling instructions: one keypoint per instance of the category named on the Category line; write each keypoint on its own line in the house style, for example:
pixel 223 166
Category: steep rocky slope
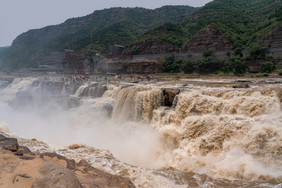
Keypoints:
pixel 152 46
pixel 274 38
pixel 208 38
pixel 236 24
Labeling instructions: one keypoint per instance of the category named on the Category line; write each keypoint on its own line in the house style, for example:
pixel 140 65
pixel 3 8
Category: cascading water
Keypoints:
pixel 18 84
pixel 137 103
pixel 91 90
pixel 225 133
pixel 209 137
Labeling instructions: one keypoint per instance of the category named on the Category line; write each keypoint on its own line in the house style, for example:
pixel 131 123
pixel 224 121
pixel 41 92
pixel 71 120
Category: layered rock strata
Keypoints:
pixel 208 38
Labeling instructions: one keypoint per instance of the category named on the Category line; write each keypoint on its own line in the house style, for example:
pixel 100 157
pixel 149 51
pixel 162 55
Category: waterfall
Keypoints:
pixel 206 135
pixel 237 133
pixel 91 90
pixel 137 103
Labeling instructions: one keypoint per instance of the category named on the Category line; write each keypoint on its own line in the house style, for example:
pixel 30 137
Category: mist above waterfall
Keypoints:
pixel 37 113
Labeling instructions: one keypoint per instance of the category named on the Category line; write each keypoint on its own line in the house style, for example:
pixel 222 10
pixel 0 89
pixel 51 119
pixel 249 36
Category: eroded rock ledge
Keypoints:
pixel 19 167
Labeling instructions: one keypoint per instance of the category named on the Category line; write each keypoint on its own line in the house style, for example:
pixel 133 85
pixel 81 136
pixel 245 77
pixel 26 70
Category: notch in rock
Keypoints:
pixel 169 95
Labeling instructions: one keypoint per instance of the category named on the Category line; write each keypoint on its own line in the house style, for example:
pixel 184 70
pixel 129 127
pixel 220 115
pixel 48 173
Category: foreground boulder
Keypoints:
pixel 10 144
pixel 55 175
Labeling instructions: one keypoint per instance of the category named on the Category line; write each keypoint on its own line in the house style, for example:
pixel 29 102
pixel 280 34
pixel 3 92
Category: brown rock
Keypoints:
pixel 70 163
pixel 50 170
pixel 56 176
pixel 23 150
pixel 152 46
pixel 10 144
pixel 274 38
pixel 208 38
pixel 87 175
pixel 169 95
pixel 241 86
pixel 135 66
pixel 83 162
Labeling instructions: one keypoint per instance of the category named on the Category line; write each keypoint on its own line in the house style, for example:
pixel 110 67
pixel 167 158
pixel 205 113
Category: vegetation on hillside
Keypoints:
pixel 210 64
pixel 243 22
pixel 92 33
pixel 3 48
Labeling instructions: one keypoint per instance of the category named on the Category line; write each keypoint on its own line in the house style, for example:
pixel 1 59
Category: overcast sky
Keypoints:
pixel 18 16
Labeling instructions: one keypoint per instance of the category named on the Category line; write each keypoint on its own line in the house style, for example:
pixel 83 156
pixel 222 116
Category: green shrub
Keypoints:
pixel 280 72
pixel 265 74
pixel 260 75
pixel 220 73
pixel 169 64
pixel 257 50
pixel 238 51
pixel 239 67
pixel 267 67
pixel 187 66
pixel 208 53
pixel 210 65
pixel 135 51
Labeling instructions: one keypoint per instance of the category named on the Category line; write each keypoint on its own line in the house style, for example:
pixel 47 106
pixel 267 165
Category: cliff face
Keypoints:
pixel 208 38
pixel 135 66
pixel 274 38
pixel 153 46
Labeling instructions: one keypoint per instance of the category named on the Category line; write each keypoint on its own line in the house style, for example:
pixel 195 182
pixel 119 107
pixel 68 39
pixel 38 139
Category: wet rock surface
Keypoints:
pixel 19 167
pixel 10 144
pixel 169 95
pixel 242 85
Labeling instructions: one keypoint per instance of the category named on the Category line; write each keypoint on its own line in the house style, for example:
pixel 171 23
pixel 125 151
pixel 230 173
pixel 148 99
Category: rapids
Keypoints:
pixel 212 135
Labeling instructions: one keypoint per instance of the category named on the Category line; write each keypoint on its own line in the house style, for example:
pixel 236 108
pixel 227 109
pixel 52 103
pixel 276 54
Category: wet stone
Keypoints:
pixel 10 144
pixel 241 86
pixel 169 95
pixel 23 150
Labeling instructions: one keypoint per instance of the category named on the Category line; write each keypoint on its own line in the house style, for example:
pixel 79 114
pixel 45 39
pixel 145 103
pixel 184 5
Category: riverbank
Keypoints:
pixel 19 167
pixel 254 78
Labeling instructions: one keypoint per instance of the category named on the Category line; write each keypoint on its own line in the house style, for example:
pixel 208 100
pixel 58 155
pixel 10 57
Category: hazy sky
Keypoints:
pixel 18 16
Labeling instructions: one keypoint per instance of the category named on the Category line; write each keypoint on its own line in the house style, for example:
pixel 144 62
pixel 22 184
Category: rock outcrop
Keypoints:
pixel 152 46
pixel 242 85
pixel 274 38
pixel 134 66
pixel 19 167
pixel 208 38
pixel 55 175
pixel 169 95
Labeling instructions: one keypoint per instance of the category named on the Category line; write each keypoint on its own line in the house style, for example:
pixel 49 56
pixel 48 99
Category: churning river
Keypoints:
pixel 211 135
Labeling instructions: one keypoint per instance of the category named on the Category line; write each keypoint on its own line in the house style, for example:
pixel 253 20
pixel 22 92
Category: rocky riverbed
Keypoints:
pixel 19 167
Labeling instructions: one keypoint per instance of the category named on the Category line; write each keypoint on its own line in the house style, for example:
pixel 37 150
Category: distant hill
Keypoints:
pixel 92 33
pixel 220 25
pixel 3 48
